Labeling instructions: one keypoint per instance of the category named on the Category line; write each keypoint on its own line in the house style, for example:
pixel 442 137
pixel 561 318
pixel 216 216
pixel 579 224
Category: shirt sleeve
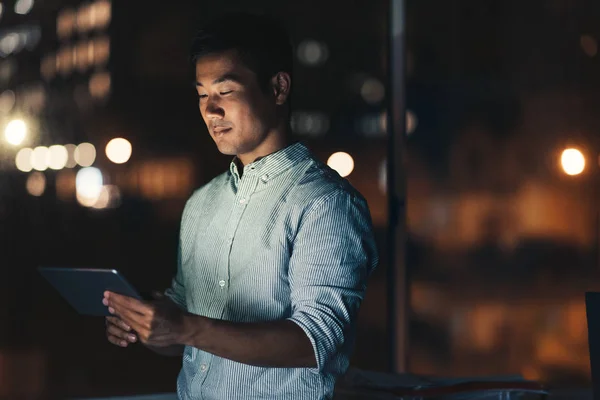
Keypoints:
pixel 333 255
pixel 177 290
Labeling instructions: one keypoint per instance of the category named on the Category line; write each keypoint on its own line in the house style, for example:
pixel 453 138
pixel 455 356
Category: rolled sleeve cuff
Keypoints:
pixel 318 337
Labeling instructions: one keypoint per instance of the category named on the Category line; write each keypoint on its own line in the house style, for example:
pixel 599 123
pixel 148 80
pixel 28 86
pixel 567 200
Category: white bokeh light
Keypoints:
pixel 88 185
pixel 342 162
pixel 23 7
pixel 572 161
pixel 118 150
pixel 57 157
pixel 23 159
pixel 39 158
pixel 85 154
pixel 15 132
pixel 9 43
pixel 86 201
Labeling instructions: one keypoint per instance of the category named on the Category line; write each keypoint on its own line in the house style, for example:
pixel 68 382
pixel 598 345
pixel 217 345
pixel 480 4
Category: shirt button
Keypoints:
pixel 264 178
pixel 242 201
pixel 203 367
pixel 222 283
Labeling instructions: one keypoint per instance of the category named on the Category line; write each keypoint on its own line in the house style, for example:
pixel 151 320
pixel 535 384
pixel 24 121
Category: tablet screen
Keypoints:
pixel 83 288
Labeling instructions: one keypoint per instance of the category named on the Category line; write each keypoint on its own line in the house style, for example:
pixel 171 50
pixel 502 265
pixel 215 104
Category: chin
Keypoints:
pixel 226 149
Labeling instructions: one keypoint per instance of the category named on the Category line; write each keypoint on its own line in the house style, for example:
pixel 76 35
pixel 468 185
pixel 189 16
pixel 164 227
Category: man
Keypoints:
pixel 274 254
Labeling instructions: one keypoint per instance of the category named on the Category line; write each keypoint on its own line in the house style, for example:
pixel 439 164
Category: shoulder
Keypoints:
pixel 320 185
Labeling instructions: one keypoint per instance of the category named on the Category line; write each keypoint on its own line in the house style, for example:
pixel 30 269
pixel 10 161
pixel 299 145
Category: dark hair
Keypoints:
pixel 263 45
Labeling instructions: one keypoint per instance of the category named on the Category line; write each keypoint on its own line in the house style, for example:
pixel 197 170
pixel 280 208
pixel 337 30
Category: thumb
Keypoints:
pixel 157 295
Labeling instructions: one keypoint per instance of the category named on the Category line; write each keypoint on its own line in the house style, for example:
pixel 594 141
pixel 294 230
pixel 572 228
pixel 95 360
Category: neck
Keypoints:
pixel 275 141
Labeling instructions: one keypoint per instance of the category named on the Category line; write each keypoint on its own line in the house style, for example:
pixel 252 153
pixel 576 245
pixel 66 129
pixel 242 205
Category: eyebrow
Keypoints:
pixel 225 78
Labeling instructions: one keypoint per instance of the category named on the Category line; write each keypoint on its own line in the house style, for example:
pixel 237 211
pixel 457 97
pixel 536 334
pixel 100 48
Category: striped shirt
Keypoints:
pixel 289 239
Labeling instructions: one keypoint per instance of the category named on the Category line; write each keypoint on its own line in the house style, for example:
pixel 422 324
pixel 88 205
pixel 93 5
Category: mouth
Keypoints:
pixel 220 131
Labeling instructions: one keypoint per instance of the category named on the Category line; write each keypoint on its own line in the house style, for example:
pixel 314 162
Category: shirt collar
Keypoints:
pixel 271 165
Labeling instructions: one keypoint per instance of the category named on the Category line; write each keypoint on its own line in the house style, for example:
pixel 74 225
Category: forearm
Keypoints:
pixel 171 351
pixel 279 344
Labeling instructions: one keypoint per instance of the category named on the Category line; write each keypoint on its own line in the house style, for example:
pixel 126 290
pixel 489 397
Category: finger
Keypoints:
pixel 116 321
pixel 136 321
pixel 116 300
pixel 114 331
pixel 117 341
pixel 121 334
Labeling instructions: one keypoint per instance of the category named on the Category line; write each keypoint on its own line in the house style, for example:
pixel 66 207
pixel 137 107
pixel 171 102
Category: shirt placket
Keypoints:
pixel 247 186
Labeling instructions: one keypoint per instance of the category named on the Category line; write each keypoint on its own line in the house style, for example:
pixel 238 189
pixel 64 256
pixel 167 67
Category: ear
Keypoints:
pixel 281 84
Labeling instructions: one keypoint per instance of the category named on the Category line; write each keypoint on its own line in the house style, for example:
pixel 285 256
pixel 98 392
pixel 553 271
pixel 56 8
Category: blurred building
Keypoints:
pixel 81 72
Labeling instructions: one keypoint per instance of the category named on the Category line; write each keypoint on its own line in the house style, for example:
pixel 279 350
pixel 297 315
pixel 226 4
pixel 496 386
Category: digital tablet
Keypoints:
pixel 83 288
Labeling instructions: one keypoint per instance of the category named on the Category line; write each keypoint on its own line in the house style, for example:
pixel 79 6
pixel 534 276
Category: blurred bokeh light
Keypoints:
pixel 572 161
pixel 23 159
pixel 36 184
pixel 57 157
pixel 372 91
pixel 411 122
pixel 88 185
pixel 15 132
pixel 589 45
pixel 39 158
pixel 309 123
pixel 382 177
pixel 101 14
pixel 100 50
pixel 109 197
pixel 99 85
pixel 65 185
pixel 23 7
pixel 7 101
pixel 342 162
pixel 118 150
pixel 65 23
pixel 71 162
pixel 312 52
pixel 85 154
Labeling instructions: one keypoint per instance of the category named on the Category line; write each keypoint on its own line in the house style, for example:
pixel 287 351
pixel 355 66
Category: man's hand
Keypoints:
pixel 158 323
pixel 118 332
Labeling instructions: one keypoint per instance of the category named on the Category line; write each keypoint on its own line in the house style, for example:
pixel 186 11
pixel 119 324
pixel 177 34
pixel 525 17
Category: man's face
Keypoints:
pixel 238 113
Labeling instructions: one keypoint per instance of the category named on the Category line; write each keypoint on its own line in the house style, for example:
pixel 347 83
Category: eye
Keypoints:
pixel 202 96
pixel 225 92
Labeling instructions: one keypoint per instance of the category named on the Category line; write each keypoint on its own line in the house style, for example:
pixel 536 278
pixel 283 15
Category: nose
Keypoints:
pixel 213 109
